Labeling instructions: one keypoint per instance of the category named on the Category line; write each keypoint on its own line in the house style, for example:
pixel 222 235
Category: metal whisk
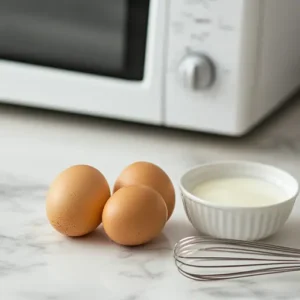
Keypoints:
pixel 205 258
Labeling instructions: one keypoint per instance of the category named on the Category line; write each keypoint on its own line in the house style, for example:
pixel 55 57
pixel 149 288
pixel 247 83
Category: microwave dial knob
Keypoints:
pixel 196 72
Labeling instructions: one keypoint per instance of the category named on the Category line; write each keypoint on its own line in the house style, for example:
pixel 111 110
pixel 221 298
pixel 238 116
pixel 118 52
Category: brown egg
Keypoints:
pixel 134 215
pixel 146 173
pixel 76 199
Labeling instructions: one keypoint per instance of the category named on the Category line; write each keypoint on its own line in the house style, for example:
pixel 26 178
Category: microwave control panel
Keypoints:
pixel 201 32
pixel 203 59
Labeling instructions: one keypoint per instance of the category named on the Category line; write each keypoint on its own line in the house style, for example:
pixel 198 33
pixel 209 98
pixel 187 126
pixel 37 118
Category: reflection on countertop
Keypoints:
pixel 38 263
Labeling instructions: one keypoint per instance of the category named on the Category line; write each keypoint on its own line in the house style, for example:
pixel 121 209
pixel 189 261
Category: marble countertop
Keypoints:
pixel 37 263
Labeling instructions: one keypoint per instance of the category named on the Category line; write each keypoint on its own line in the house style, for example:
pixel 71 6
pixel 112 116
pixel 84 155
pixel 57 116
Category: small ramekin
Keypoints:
pixel 237 222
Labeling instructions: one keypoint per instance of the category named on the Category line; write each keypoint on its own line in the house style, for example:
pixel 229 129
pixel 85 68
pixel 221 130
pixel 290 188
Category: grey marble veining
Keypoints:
pixel 37 263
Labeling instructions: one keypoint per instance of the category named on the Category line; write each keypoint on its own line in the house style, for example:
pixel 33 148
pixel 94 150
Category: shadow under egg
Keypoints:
pixel 97 237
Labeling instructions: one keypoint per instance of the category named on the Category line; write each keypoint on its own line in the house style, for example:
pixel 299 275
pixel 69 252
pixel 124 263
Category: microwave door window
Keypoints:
pixel 92 36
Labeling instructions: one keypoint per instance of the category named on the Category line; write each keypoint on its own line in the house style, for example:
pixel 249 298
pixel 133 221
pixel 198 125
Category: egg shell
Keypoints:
pixel 134 215
pixel 149 174
pixel 76 199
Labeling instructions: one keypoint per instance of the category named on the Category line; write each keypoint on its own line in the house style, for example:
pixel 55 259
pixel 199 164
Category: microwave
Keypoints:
pixel 215 66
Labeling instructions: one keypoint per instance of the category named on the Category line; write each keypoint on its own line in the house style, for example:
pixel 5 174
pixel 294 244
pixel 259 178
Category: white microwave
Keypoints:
pixel 217 66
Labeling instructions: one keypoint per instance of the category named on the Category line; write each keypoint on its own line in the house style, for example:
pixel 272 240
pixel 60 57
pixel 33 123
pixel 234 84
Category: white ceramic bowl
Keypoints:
pixel 234 222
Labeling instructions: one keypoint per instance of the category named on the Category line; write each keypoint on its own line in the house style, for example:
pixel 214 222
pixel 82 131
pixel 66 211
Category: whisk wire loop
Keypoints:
pixel 205 258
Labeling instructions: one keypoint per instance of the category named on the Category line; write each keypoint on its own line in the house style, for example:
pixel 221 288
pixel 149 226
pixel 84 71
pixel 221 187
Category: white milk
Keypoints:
pixel 240 191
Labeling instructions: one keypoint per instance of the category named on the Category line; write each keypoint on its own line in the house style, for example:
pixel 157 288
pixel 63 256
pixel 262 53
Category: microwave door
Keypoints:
pixel 92 36
pixel 95 57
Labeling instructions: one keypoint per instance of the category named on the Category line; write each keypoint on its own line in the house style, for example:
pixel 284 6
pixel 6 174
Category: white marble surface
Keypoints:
pixel 36 263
